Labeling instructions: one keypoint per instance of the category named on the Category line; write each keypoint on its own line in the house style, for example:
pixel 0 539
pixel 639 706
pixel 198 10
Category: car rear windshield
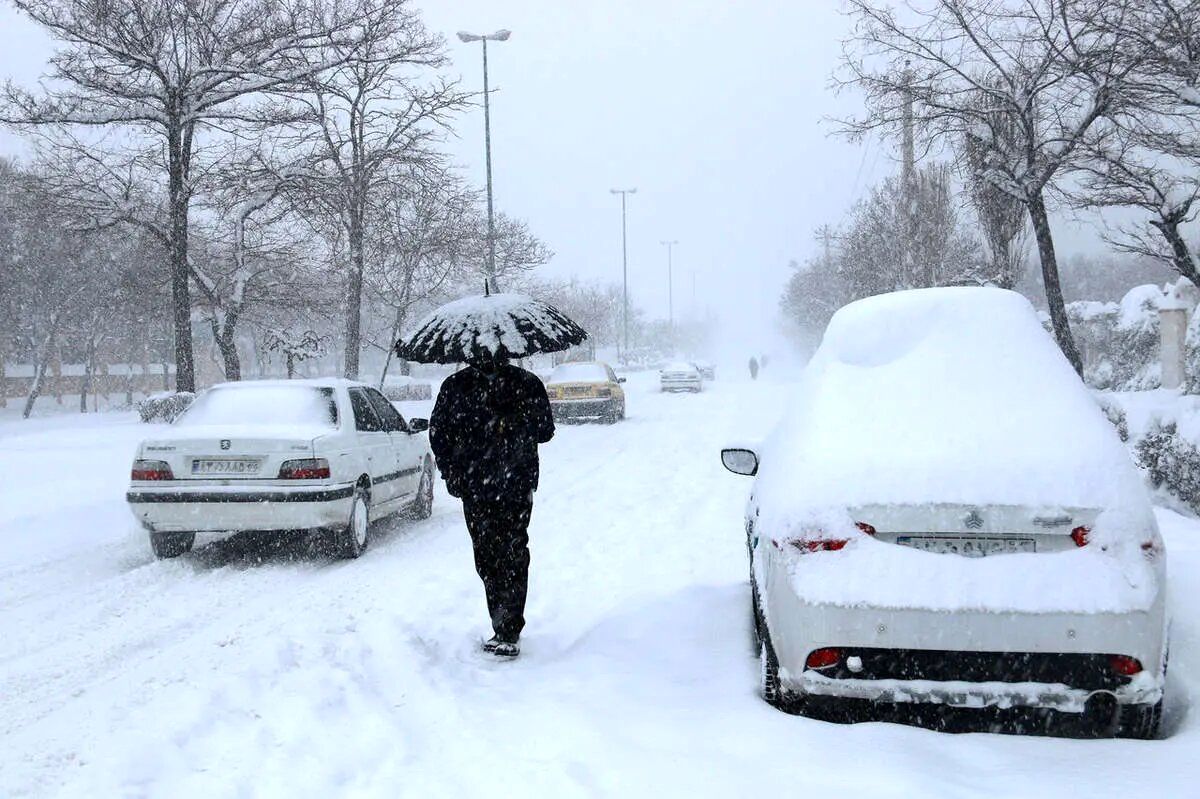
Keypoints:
pixel 267 405
pixel 679 366
pixel 579 373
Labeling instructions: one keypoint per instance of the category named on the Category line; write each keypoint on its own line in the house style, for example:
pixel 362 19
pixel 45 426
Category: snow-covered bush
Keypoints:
pixel 1115 414
pixel 1120 341
pixel 164 406
pixel 1171 462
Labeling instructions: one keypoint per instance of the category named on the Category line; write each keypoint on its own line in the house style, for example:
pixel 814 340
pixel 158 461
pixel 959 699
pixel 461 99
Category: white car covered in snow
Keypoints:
pixel 945 520
pixel 323 455
pixel 681 376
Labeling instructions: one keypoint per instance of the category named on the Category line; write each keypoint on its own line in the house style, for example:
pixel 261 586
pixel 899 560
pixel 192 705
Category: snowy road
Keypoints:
pixel 242 670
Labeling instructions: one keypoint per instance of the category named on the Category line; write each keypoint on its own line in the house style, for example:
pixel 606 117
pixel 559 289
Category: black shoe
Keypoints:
pixel 490 644
pixel 506 649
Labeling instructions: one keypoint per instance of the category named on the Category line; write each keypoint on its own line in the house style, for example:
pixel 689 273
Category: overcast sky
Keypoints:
pixel 714 111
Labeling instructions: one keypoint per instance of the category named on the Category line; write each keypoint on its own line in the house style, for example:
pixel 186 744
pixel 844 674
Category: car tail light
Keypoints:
pixel 1124 665
pixel 151 470
pixel 1080 536
pixel 866 528
pixel 823 658
pixel 819 545
pixel 305 469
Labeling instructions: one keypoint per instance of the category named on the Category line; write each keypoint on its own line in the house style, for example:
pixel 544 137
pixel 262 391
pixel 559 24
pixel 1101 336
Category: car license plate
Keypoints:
pixel 970 546
pixel 225 465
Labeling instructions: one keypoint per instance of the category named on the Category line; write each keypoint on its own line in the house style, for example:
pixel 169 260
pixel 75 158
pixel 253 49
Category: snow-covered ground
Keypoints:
pixel 250 670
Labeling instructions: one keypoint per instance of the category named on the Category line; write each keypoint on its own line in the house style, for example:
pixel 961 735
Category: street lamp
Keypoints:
pixel 498 36
pixel 624 266
pixel 670 291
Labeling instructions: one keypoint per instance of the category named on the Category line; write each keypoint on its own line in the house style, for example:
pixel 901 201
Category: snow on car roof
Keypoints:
pixel 590 372
pixel 679 366
pixel 945 395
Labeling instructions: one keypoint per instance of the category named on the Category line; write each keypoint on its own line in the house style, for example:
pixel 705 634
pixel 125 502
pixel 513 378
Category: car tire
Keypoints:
pixel 352 539
pixel 772 691
pixel 171 545
pixel 422 506
pixel 1140 721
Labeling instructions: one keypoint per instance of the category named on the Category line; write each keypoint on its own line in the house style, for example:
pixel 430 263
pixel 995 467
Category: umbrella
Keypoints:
pixel 503 325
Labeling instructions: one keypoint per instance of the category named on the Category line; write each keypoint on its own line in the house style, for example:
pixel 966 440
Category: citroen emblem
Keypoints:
pixel 973 520
pixel 224 443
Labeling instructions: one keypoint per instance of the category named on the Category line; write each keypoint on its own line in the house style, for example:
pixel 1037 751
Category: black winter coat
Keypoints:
pixel 485 431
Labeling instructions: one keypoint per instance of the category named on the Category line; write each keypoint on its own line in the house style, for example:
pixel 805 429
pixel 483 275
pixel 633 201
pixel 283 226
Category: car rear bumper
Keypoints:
pixel 678 385
pixel 582 407
pixel 240 508
pixel 961 693
pixel 948 649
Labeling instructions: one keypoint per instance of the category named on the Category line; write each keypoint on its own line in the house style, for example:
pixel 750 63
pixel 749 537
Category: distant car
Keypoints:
pixel 681 376
pixel 707 370
pixel 586 390
pixel 329 455
pixel 946 521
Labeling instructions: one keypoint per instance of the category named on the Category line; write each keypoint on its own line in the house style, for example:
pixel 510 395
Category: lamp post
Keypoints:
pixel 498 36
pixel 624 266
pixel 670 290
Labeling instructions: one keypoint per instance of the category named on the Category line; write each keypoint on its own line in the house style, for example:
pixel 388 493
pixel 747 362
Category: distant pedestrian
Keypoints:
pixel 753 368
pixel 485 429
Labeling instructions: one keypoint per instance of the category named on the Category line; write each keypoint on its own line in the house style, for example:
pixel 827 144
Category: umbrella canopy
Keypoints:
pixel 500 325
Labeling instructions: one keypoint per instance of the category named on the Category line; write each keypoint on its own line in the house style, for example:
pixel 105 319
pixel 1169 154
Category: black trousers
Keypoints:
pixel 499 528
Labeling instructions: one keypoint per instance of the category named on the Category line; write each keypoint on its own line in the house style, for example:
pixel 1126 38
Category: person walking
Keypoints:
pixel 753 368
pixel 485 429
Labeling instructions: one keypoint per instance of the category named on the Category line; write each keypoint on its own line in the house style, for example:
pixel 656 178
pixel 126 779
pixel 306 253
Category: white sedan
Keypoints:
pixel 329 455
pixel 945 526
pixel 681 376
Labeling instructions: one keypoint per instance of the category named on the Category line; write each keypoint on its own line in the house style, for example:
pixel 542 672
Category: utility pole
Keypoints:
pixel 670 290
pixel 825 234
pixel 908 169
pixel 498 36
pixel 624 265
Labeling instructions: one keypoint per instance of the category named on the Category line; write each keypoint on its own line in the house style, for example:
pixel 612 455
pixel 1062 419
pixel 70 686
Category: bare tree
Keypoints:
pixel 416 246
pixel 169 69
pixel 1045 70
pixel 372 118
pixel 1149 157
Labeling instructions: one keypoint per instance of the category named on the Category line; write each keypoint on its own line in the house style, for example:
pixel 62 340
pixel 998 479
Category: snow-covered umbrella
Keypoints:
pixel 500 325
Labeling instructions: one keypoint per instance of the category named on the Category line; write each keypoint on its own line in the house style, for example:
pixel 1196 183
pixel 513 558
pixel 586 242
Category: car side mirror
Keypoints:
pixel 740 461
pixel 620 380
pixel 418 425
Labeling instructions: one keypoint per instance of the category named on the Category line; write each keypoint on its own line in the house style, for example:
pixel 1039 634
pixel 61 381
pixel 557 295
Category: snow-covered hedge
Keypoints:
pixel 1172 462
pixel 1120 341
pixel 164 406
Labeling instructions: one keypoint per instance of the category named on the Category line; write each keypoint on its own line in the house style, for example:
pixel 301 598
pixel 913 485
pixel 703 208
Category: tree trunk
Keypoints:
pixel 88 367
pixel 179 143
pixel 291 365
pixel 1054 296
pixel 223 334
pixel 354 285
pixel 1180 252
pixel 39 375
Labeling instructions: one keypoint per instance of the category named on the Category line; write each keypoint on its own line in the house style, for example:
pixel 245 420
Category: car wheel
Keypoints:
pixel 422 506
pixel 353 537
pixel 171 545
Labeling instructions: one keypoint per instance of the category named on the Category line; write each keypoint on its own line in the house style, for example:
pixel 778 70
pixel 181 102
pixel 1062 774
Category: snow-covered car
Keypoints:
pixel 946 519
pixel 586 390
pixel 681 376
pixel 707 370
pixel 324 455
